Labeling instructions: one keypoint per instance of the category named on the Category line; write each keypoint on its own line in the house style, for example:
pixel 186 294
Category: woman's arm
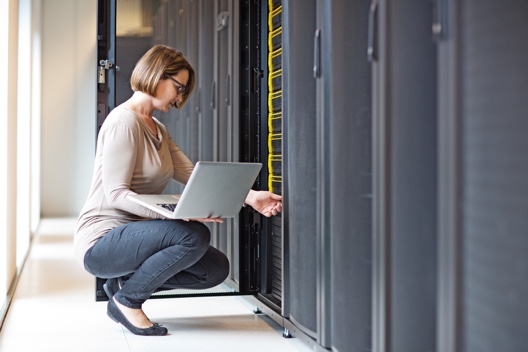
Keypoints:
pixel 182 165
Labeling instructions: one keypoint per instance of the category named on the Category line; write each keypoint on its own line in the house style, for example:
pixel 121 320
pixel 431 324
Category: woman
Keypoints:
pixel 135 249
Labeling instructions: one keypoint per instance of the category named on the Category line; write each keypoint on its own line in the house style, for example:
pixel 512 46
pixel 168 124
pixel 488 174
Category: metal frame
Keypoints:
pixel 106 59
pixel 258 89
pixel 450 172
pixel 381 169
pixel 324 199
pixel 249 125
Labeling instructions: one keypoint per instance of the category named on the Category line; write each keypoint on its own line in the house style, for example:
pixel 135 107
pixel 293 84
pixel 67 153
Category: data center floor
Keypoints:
pixel 54 309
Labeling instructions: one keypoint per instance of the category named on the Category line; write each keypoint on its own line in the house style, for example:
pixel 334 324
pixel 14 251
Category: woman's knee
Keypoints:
pixel 200 233
pixel 192 233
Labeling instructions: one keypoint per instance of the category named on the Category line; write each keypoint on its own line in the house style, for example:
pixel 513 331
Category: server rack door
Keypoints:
pixel 321 68
pixel 405 169
pixel 347 115
pixel 488 288
pixel 299 157
pixel 204 129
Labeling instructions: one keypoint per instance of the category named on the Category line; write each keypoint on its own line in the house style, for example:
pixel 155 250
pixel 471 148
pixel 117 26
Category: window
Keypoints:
pixel 4 33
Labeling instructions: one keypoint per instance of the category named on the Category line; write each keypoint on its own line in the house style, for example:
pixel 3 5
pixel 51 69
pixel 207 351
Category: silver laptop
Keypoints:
pixel 214 190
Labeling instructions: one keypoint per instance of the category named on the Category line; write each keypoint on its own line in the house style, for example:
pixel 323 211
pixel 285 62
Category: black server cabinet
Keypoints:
pixel 319 101
pixel 265 88
pixel 292 295
pixel 403 56
pixel 326 161
pixel 483 56
pixel 299 167
pixel 345 134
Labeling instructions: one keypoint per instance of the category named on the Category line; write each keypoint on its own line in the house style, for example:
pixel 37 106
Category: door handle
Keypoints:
pixel 257 75
pixel 228 90
pixel 104 65
pixel 317 54
pixel 213 97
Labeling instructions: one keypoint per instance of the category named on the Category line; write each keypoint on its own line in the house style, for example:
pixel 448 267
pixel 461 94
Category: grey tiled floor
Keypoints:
pixel 53 309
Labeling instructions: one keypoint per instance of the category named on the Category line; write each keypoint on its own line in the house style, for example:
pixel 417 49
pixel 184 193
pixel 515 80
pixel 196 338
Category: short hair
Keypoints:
pixel 158 61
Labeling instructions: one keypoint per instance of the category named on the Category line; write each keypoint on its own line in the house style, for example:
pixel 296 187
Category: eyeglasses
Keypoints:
pixel 180 88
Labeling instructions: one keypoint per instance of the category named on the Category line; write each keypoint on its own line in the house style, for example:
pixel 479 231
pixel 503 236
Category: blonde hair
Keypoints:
pixel 158 61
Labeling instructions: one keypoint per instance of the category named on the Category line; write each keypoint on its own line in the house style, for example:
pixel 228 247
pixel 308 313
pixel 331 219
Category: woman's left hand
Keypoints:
pixel 265 202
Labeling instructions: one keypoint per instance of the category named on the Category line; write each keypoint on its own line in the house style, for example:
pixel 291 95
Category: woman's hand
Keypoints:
pixel 264 202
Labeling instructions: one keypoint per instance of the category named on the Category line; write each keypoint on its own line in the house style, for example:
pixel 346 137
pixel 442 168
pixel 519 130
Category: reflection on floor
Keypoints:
pixel 54 310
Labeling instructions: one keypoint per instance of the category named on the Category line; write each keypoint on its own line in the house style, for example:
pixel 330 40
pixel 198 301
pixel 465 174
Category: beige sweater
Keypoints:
pixel 129 159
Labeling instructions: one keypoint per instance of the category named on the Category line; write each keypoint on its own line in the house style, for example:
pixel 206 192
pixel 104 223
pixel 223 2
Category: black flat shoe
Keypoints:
pixel 116 315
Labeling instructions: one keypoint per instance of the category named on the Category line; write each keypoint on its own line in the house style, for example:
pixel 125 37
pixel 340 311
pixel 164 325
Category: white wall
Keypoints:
pixel 36 105
pixel 69 63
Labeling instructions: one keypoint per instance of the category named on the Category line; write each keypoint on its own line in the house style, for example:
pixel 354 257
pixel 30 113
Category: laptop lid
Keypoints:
pixel 215 189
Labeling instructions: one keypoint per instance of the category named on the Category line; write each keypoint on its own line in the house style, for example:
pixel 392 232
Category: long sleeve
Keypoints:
pixel 119 164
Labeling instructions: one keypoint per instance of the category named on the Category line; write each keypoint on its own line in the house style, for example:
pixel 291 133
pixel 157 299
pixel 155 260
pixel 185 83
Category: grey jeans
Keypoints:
pixel 157 255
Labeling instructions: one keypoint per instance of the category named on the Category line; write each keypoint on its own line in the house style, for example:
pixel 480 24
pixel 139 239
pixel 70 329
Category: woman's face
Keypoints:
pixel 169 91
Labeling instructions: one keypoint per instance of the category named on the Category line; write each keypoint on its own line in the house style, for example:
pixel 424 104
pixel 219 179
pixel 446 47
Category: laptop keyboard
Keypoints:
pixel 170 206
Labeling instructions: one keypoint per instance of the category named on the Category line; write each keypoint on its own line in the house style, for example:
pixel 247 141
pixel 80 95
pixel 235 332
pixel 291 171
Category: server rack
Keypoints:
pixel 300 179
pixel 483 203
pixel 404 169
pixel 267 19
pixel 322 139
pixel 345 125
